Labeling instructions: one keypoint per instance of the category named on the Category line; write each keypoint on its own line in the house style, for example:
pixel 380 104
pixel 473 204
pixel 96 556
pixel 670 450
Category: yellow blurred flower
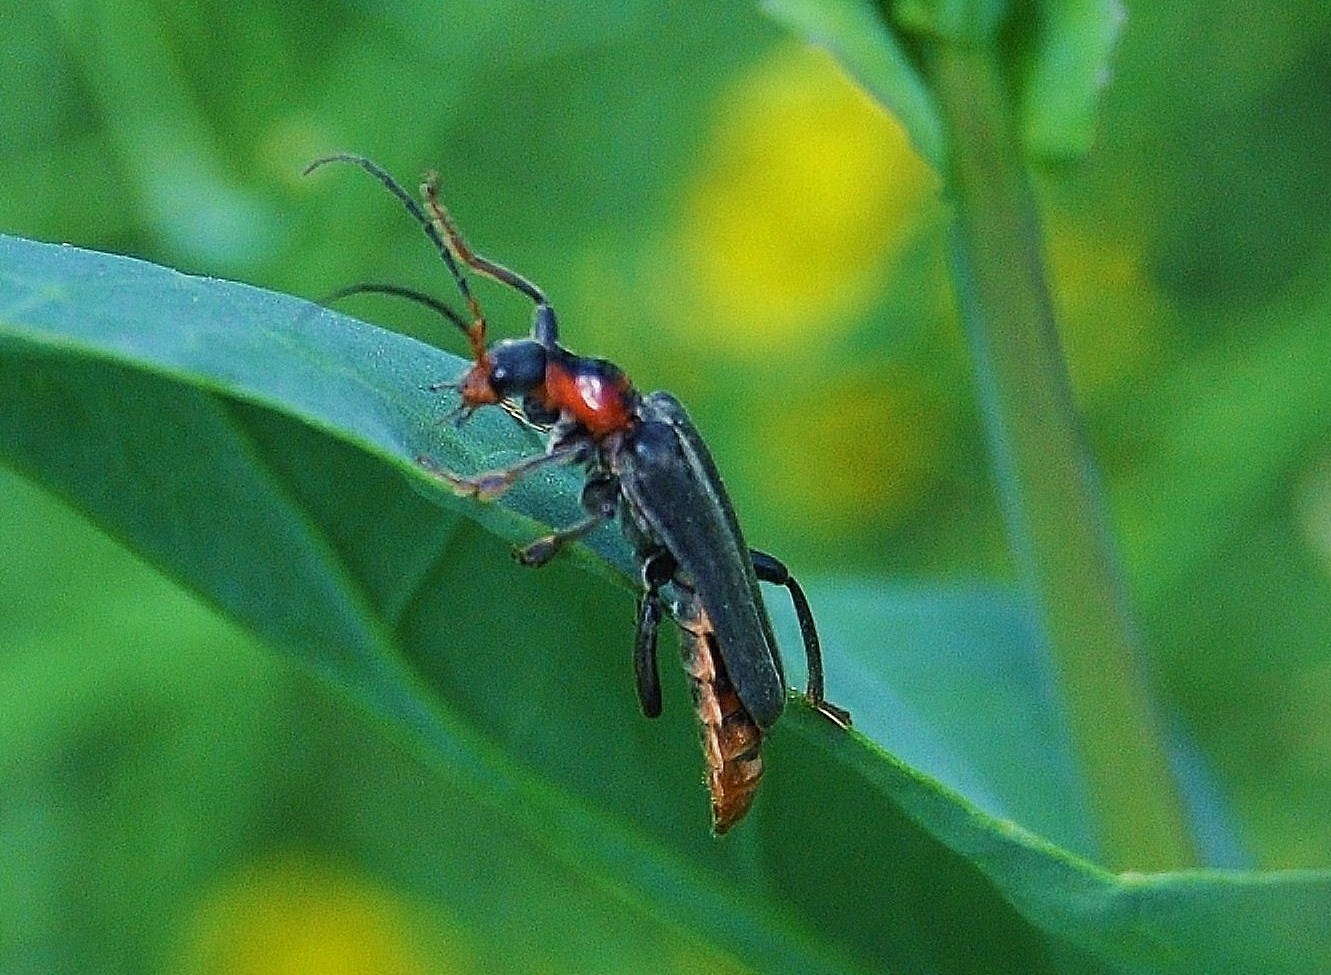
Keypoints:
pixel 797 205
pixel 858 450
pixel 295 916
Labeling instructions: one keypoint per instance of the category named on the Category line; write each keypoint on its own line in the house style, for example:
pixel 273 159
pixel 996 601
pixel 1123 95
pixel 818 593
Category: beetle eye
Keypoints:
pixel 518 366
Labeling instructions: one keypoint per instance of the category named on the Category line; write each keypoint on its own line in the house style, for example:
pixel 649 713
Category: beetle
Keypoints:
pixel 647 466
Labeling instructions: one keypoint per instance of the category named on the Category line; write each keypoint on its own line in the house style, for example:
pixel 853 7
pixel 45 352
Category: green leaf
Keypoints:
pixel 1072 44
pixel 952 681
pixel 261 452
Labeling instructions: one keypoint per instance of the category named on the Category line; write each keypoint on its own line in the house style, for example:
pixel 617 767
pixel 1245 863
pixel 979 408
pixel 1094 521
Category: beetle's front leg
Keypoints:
pixel 491 484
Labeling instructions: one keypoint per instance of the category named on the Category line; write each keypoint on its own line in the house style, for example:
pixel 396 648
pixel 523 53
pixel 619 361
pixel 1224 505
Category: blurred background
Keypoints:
pixel 715 207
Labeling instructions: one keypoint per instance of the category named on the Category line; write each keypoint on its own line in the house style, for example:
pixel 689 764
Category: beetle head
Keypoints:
pixel 509 369
pixel 506 370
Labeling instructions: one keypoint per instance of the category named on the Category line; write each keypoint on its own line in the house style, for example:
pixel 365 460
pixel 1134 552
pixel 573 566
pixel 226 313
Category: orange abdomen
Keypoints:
pixel 731 739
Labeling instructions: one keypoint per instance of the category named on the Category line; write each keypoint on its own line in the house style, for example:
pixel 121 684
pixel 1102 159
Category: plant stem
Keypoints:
pixel 1047 480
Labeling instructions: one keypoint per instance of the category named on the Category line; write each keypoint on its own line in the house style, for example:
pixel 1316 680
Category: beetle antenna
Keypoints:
pixel 475 330
pixel 544 328
pixel 401 291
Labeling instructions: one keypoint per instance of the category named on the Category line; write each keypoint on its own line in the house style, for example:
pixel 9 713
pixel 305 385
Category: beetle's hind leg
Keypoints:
pixel 768 568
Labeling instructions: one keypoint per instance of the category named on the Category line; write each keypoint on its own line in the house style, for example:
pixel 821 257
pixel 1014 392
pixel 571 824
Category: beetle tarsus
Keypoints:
pixel 540 551
pixel 537 553
pixel 837 715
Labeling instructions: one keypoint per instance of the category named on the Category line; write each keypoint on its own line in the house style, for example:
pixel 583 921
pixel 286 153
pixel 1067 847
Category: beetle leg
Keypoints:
pixel 491 484
pixel 544 327
pixel 644 655
pixel 656 572
pixel 768 568
pixel 540 551
pixel 600 498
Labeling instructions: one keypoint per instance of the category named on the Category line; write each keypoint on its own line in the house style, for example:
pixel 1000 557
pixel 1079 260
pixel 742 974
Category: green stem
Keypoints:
pixel 1047 480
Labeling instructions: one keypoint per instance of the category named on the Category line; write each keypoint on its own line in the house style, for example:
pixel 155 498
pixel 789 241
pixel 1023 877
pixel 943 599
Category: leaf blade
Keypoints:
pixel 410 628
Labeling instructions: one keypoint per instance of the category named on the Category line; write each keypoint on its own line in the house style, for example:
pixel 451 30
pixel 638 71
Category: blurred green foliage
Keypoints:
pixel 633 158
